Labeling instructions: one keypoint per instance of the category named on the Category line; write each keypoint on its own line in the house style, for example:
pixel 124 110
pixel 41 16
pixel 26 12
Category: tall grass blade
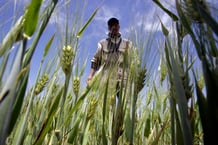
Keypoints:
pixel 207 17
pixel 104 109
pixel 79 34
pixel 8 94
pixel 3 66
pixel 211 83
pixel 45 19
pixel 179 132
pixel 147 130
pixel 31 17
pixel 172 116
pixel 181 98
pixel 203 111
pixel 48 46
pixel 164 29
pixel 173 16
pixel 48 121
pixel 13 36
pixel 85 137
pixel 20 97
pixel 128 122
pixel 187 26
pixel 74 132
pixel 83 68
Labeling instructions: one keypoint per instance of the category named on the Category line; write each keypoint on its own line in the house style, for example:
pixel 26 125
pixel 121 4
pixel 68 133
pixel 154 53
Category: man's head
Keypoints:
pixel 113 25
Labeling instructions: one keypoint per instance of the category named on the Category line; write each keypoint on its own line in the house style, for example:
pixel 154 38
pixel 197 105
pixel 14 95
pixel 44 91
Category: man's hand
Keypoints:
pixel 88 80
pixel 91 74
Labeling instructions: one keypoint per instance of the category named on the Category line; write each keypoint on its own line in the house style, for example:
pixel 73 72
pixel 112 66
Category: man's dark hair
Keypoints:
pixel 112 21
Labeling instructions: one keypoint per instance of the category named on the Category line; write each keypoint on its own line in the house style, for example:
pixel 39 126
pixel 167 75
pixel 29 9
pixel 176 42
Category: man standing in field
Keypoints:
pixel 112 54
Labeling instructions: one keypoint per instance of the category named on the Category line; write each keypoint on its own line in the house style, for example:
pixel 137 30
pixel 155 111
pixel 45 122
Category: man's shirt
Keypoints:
pixel 113 54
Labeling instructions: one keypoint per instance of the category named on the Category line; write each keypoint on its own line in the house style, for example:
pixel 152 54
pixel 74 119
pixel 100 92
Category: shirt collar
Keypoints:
pixel 114 39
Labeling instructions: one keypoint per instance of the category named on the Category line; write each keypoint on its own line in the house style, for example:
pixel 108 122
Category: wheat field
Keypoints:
pixel 179 108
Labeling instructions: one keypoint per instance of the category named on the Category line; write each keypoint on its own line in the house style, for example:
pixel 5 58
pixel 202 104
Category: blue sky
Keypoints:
pixel 133 14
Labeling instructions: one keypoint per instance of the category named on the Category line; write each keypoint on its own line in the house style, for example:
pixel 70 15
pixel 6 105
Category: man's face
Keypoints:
pixel 114 29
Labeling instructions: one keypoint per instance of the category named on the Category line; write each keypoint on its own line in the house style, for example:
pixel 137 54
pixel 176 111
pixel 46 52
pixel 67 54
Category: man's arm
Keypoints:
pixel 91 74
pixel 95 63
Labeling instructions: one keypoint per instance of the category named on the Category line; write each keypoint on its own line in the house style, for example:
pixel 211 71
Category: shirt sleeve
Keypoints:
pixel 96 60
